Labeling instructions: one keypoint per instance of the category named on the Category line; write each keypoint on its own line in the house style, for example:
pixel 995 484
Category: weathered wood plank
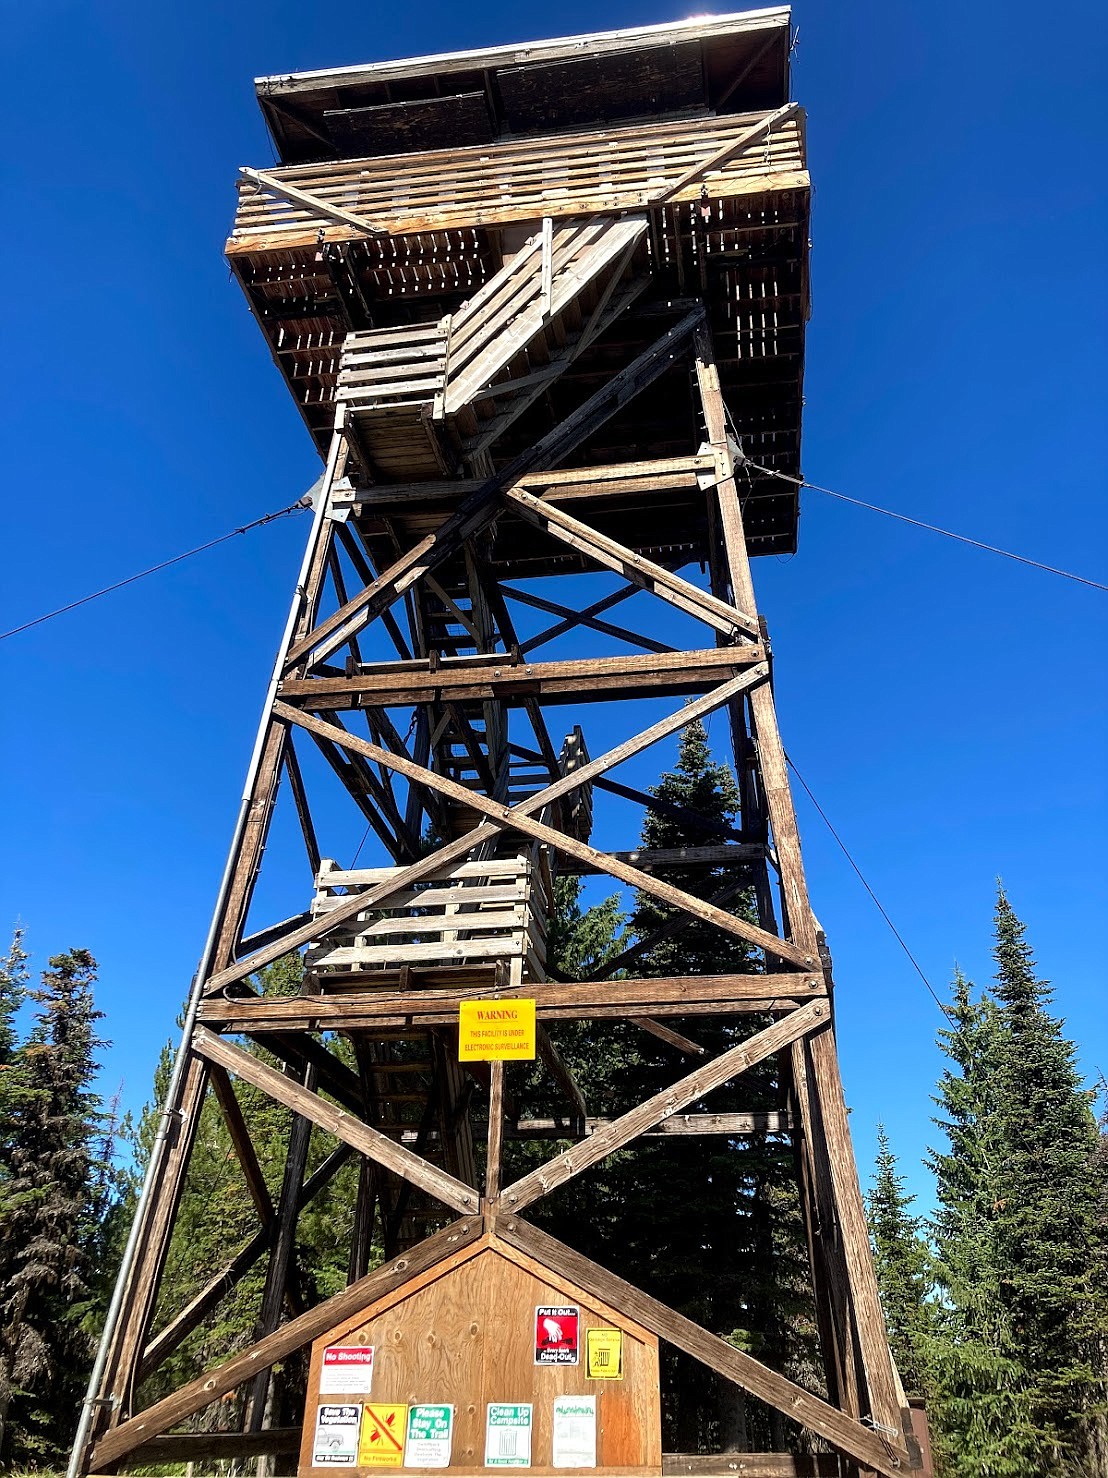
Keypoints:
pixel 516 818
pixel 554 1001
pixel 573 680
pixel 749 1465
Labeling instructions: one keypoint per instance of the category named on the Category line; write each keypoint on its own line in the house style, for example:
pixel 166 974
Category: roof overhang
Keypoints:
pixel 703 64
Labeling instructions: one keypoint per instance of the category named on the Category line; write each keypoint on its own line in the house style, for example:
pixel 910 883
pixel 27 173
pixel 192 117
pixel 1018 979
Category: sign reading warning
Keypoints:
pixel 496 1031
pixel 381 1444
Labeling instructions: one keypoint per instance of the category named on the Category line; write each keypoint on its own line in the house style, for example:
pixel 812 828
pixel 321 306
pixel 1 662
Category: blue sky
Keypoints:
pixel 946 707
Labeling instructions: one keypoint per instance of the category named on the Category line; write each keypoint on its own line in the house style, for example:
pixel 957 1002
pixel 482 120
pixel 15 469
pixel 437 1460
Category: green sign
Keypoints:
pixel 508 1435
pixel 430 1432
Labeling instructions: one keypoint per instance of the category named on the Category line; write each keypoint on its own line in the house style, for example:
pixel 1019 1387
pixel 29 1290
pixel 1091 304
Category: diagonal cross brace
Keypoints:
pixel 843 1432
pixel 275 186
pixel 516 818
pixel 360 1136
pixel 546 1178
pixel 217 1381
pixel 482 505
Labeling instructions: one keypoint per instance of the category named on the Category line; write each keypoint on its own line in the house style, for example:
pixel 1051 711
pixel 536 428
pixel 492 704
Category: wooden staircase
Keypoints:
pixel 423 400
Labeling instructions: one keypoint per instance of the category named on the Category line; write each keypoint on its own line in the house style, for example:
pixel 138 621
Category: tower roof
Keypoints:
pixel 707 64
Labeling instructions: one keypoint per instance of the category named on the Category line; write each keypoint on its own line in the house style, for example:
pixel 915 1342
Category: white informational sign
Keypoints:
pixel 430 1433
pixel 508 1435
pixel 575 1432
pixel 336 1436
pixel 347 1370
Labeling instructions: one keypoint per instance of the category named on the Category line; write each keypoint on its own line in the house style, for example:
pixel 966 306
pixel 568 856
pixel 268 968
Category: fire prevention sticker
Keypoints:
pixel 381 1444
pixel 347 1370
pixel 556 1334
pixel 335 1444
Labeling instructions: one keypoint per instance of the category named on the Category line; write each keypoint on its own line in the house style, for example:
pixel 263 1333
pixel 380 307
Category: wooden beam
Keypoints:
pixel 495 1140
pixel 680 1124
pixel 517 818
pixel 680 995
pixel 843 1433
pixel 244 1145
pixel 281 188
pixel 477 510
pixel 580 618
pixel 298 1332
pixel 546 1178
pixel 336 1121
pixel 219 1447
pixel 349 907
pixel 643 572
pixel 873 1339
pixel 723 155
pixel 201 1304
pixel 560 1071
pixel 494 676
pixel 750 1465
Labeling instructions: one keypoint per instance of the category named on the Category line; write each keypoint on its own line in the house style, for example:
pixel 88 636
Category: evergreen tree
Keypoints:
pixel 13 990
pixel 217 1217
pixel 1049 1197
pixel 1019 1364
pixel 57 1190
pixel 902 1261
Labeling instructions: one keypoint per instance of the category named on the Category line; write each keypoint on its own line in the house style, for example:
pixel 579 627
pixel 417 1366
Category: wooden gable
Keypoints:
pixel 463 1334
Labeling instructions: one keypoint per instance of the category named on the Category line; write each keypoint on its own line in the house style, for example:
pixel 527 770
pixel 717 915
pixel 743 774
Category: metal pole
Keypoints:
pixel 320 496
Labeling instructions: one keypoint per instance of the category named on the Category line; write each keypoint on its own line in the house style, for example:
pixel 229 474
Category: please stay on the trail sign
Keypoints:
pixel 496 1031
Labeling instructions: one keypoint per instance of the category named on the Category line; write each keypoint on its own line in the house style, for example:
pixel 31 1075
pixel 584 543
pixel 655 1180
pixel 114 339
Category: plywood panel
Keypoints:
pixel 467 1338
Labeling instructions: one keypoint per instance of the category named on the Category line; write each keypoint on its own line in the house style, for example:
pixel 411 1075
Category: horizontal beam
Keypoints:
pixel 679 1124
pixel 616 480
pixel 195 1447
pixel 675 995
pixel 580 680
pixel 294 1335
pixel 750 1465
pixel 736 854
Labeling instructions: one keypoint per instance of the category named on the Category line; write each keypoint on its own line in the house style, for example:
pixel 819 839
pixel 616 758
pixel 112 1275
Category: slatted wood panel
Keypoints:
pixel 474 913
pixel 466 1338
pixel 573 174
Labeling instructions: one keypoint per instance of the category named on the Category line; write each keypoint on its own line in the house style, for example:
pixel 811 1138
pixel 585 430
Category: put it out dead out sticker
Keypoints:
pixel 557 1334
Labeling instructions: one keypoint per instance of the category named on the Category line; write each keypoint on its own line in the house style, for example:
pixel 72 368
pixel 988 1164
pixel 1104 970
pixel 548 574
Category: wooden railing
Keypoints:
pixel 523 179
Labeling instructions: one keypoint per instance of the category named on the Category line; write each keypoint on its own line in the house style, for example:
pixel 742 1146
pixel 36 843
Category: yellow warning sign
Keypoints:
pixel 604 1354
pixel 496 1031
pixel 381 1440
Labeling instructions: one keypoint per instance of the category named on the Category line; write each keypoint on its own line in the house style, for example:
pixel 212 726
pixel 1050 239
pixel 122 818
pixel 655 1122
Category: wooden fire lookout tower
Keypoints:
pixel 540 307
